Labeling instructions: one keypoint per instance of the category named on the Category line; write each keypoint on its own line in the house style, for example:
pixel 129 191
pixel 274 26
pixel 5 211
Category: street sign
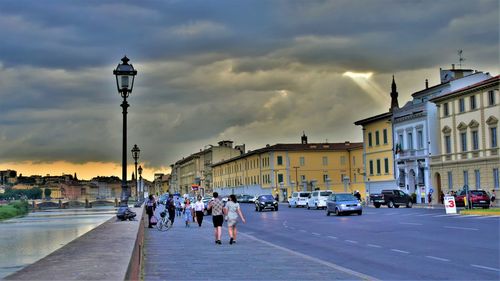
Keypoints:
pixel 194 187
pixel 449 204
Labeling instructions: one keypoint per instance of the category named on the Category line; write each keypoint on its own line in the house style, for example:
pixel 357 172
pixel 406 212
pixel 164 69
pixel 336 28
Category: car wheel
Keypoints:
pixel 289 206
pixel 337 212
pixel 256 208
pixel 360 213
pixel 316 205
pixel 390 204
pixel 308 206
pixel 276 208
pixel 396 206
pixel 409 204
pixel 377 205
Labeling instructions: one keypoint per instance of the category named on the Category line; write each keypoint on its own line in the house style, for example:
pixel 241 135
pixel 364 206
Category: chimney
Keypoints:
pixel 426 84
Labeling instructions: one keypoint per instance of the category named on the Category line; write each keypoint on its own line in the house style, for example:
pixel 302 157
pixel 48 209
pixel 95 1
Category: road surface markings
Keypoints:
pixel 390 214
pixel 304 256
pixel 407 215
pixel 487 217
pixel 410 223
pixel 332 237
pixel 373 246
pixel 317 234
pixel 437 258
pixel 291 227
pixel 351 241
pixel 485 267
pixel 465 216
pixel 461 228
pixel 302 230
pixel 400 251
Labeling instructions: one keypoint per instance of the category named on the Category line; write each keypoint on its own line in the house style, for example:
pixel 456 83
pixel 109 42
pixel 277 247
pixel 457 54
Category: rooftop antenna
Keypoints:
pixel 460 58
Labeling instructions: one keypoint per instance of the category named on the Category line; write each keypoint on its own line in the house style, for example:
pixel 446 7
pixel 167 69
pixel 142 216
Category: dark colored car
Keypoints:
pixel 391 198
pixel 477 198
pixel 266 202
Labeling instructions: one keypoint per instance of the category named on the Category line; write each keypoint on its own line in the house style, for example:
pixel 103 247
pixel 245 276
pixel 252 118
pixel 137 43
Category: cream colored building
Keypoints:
pixel 468 131
pixel 284 168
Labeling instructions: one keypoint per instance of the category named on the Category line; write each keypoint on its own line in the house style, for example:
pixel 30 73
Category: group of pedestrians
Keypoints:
pixel 195 213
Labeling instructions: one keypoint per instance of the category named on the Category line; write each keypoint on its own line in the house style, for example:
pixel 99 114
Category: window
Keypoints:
pixel 447 144
pixel 386 165
pixel 491 97
pixel 493 136
pixel 466 177
pixel 401 142
pixel 420 139
pixel 354 160
pixel 280 178
pixel 496 184
pixel 384 133
pixel 371 167
pixel 475 140
pixel 450 181
pixel 463 138
pixel 369 139
pixel 325 160
pixel 446 111
pixel 477 175
pixel 472 102
pixel 325 177
pixel 377 141
pixel 280 160
pixel 410 140
pixel 302 177
pixel 378 166
pixel 342 160
pixel 302 161
pixel 461 105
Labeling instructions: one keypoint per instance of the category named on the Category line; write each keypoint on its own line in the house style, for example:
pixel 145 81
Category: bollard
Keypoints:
pixel 116 202
pixel 87 203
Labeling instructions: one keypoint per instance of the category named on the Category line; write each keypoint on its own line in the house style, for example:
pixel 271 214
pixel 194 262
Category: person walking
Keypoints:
pixel 178 206
pixel 188 212
pixel 493 197
pixel 232 210
pixel 170 206
pixel 150 209
pixel 198 208
pixel 216 206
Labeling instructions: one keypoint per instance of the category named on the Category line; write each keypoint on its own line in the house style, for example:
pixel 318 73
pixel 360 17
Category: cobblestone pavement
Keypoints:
pixel 191 254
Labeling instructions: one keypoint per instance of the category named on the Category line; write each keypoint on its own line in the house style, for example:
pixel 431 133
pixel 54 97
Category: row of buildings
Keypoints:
pixel 445 137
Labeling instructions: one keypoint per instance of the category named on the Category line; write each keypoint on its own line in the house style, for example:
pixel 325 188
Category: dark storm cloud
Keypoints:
pixel 255 72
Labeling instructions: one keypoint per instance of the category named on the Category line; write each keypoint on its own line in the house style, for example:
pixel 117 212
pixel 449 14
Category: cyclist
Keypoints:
pixel 170 207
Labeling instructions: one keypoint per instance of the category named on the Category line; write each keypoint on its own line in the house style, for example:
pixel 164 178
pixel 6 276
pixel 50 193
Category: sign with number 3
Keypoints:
pixel 449 204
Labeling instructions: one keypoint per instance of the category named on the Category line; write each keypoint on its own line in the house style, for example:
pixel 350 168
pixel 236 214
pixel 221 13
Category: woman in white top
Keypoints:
pixel 232 210
pixel 199 207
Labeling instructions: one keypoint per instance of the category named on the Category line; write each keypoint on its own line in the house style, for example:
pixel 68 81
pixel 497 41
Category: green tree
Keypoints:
pixel 47 192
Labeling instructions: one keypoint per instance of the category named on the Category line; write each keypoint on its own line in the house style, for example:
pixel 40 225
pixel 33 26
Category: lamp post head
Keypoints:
pixel 140 170
pixel 135 152
pixel 125 74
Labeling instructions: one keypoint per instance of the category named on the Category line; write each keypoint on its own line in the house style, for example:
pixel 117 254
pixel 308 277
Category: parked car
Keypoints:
pixel 477 198
pixel 298 199
pixel 317 199
pixel 245 198
pixel 391 198
pixel 343 203
pixel 266 202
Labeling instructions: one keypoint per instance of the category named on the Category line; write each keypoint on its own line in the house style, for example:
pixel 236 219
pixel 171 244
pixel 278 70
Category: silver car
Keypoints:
pixel 343 203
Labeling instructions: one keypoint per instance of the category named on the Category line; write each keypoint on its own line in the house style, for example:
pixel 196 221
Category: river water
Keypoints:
pixel 25 240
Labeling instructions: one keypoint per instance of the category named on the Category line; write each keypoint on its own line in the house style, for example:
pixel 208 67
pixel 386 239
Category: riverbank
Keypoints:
pixel 14 209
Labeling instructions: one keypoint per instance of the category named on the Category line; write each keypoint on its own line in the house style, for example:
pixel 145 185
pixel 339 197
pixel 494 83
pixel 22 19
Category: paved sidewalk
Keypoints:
pixel 190 254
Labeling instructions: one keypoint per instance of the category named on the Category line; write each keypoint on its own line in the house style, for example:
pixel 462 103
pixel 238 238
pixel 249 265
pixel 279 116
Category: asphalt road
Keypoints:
pixel 388 244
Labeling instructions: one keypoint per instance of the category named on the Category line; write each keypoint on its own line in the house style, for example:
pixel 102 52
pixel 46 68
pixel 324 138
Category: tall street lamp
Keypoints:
pixel 125 74
pixel 135 154
pixel 140 182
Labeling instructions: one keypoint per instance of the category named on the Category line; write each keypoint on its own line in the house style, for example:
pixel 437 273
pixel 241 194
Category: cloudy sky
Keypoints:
pixel 254 72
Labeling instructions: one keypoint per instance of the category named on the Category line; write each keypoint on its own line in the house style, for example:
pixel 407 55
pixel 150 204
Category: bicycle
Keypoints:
pixel 164 223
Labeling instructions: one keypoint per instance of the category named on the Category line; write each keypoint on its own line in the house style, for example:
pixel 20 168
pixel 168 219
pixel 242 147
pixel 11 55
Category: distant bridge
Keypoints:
pixel 67 203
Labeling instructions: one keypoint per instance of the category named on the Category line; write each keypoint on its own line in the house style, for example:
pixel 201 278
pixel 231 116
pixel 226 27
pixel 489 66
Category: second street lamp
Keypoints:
pixel 135 154
pixel 125 75
pixel 140 182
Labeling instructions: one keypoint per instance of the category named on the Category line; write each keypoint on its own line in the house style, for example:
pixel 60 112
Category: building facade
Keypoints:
pixel 468 138
pixel 416 136
pixel 284 168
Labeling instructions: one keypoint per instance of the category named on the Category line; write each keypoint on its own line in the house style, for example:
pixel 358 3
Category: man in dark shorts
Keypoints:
pixel 170 206
pixel 217 206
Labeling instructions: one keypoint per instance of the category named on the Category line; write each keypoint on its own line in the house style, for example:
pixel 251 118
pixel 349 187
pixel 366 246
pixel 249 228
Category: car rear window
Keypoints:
pixel 478 192
pixel 304 195
pixel 325 193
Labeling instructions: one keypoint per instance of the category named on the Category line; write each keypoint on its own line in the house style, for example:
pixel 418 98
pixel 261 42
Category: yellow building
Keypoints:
pixel 284 168
pixel 378 155
pixel 468 130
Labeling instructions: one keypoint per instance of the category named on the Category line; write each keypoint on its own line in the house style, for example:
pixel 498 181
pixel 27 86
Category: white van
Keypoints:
pixel 318 198
pixel 298 199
